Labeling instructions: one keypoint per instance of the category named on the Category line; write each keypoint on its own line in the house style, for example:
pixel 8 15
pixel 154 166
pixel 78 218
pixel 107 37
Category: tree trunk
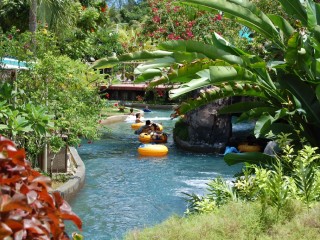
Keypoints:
pixel 33 16
pixel 33 23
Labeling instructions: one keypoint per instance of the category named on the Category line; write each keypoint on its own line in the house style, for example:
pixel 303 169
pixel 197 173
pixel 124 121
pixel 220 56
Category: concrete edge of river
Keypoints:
pixel 69 189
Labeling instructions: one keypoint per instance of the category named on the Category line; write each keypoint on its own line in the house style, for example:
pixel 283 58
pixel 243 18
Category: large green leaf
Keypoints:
pixel 263 124
pixel 306 96
pixel 277 128
pixel 296 9
pixel 311 14
pixel 249 157
pixel 255 113
pixel 242 107
pixel 317 12
pixel 283 24
pixel 318 92
pixel 138 56
pixel 190 86
pixel 214 51
pixel 218 92
pixel 220 74
pixel 183 73
pixel 245 12
pixel 157 63
pixel 148 74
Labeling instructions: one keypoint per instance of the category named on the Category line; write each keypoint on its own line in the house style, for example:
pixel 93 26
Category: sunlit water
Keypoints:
pixel 124 191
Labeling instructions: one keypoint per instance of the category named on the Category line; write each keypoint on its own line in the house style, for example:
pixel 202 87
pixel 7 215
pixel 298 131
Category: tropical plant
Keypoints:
pixel 286 81
pixel 273 186
pixel 29 208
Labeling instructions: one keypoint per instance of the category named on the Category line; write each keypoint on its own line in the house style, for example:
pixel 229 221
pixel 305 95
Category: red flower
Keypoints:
pixel 156 19
pixel 176 9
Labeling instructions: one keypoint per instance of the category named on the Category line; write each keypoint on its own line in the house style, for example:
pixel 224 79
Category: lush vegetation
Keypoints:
pixel 288 100
pixel 45 100
pixel 283 75
pixel 56 101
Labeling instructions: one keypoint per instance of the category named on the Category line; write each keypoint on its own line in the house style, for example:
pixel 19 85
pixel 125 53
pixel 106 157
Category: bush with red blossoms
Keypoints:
pixel 169 21
pixel 28 209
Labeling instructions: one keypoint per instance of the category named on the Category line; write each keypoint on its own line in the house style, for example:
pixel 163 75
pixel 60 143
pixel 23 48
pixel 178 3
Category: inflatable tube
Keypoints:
pixel 163 139
pixel 249 148
pixel 146 110
pixel 153 150
pixel 145 138
pixel 136 126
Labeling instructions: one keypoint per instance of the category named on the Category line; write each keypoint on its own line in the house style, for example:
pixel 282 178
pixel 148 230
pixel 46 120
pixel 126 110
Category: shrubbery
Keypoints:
pixel 28 207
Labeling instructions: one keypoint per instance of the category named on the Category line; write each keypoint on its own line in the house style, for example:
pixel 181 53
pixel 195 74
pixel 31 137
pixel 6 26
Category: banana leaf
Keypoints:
pixel 249 157
pixel 283 24
pixel 213 51
pixel 306 96
pixel 296 9
pixel 219 74
pixel 136 56
pixel 190 86
pixel 242 107
pixel 157 63
pixel 263 124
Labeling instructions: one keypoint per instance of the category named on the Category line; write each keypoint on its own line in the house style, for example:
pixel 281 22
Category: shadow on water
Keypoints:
pixel 124 191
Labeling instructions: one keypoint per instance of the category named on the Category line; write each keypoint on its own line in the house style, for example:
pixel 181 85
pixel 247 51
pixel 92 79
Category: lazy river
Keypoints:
pixel 124 191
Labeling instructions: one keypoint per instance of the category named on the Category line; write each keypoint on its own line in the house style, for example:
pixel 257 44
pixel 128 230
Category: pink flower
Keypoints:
pixel 156 19
pixel 176 9
pixel 189 34
pixel 171 36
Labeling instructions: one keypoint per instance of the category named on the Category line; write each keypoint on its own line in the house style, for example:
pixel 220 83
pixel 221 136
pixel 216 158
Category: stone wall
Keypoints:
pixel 208 131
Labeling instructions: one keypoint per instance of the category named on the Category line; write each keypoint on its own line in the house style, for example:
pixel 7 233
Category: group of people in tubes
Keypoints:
pixel 154 130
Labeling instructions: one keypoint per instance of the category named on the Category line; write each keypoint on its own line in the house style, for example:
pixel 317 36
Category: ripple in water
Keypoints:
pixel 124 191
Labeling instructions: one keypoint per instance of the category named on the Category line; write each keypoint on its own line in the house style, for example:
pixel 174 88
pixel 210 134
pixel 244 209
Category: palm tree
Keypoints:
pixel 57 14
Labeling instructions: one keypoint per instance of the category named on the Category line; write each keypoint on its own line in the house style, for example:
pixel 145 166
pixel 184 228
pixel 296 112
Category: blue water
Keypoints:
pixel 124 191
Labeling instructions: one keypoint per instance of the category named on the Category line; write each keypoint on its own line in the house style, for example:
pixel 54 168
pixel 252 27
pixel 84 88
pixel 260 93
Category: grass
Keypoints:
pixel 238 221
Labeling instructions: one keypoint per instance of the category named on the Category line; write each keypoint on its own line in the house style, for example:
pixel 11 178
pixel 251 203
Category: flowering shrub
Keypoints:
pixel 27 208
pixel 169 21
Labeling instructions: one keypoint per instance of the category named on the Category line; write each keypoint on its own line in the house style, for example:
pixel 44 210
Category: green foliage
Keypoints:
pixel 14 13
pixel 288 52
pixel 181 131
pixel 56 83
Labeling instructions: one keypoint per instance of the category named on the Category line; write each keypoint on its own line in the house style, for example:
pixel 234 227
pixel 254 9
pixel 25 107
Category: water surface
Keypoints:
pixel 124 191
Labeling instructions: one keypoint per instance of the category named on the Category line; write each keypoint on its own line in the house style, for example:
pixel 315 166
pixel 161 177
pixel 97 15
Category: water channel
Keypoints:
pixel 124 191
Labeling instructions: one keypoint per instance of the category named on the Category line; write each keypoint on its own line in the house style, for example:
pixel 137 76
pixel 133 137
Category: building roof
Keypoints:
pixel 12 64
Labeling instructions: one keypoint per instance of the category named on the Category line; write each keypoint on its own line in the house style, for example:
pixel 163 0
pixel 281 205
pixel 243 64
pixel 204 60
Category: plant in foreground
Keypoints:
pixel 27 208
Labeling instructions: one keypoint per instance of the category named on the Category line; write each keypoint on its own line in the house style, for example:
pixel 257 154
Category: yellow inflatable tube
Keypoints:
pixel 153 150
pixel 145 138
pixel 136 126
pixel 249 148
pixel 148 138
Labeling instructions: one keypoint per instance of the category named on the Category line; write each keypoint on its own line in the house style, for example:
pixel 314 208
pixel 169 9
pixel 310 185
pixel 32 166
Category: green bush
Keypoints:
pixel 180 130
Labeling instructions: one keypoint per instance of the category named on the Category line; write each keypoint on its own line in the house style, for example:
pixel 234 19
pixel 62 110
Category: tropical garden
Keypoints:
pixel 192 44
